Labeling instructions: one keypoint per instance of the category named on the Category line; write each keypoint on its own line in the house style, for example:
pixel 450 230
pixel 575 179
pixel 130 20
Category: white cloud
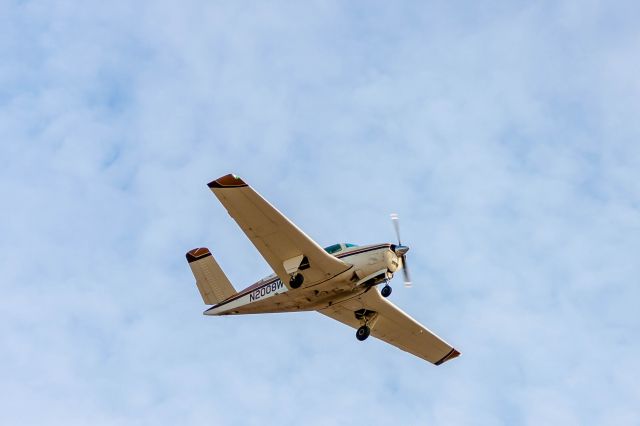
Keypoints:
pixel 504 137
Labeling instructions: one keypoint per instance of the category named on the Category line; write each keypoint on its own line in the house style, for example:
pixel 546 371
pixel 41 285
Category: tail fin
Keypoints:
pixel 213 284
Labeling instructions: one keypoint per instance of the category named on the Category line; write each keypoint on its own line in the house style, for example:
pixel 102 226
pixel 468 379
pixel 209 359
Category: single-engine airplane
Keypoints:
pixel 340 281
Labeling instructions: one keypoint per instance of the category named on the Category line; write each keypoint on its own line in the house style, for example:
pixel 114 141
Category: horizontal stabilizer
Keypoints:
pixel 212 282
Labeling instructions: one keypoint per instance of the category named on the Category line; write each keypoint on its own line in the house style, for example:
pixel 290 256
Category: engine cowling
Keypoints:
pixel 391 260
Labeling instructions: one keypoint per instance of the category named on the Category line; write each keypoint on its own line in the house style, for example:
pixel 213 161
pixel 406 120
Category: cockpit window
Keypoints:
pixel 333 249
pixel 338 247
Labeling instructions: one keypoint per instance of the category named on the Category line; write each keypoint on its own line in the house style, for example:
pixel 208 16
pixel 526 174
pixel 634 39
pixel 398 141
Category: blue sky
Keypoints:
pixel 506 136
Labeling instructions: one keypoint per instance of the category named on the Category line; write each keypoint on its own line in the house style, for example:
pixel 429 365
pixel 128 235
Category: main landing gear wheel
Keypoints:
pixel 386 291
pixel 296 281
pixel 363 332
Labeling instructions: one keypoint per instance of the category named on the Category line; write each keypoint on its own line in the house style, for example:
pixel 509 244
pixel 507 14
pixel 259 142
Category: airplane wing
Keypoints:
pixel 282 244
pixel 393 326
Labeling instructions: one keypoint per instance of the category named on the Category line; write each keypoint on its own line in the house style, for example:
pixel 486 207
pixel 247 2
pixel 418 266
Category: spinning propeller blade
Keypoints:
pixel 405 272
pixel 396 224
pixel 401 250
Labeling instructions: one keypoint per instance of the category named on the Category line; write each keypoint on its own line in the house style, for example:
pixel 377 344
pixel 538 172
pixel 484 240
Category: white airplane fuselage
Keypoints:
pixel 371 265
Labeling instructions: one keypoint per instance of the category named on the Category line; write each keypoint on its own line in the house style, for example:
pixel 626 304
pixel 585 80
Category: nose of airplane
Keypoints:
pixel 401 250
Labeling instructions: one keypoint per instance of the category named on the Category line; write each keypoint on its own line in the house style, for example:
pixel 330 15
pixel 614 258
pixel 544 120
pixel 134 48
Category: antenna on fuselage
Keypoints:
pixel 401 250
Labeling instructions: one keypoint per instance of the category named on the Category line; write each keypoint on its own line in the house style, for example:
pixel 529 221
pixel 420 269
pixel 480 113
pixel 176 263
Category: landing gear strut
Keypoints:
pixel 386 290
pixel 296 281
pixel 363 332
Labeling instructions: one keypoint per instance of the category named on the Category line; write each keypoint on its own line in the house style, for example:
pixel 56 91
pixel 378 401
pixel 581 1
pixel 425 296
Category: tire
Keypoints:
pixel 296 281
pixel 363 332
pixel 386 291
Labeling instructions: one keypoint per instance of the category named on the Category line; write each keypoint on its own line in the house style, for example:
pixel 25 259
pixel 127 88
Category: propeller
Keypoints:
pixel 401 250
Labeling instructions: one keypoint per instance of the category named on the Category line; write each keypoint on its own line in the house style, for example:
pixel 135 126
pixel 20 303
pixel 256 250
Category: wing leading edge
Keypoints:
pixel 280 242
pixel 393 326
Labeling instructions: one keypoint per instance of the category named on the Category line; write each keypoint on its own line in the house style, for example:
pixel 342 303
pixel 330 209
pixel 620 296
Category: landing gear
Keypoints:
pixel 296 281
pixel 386 290
pixel 368 320
pixel 363 332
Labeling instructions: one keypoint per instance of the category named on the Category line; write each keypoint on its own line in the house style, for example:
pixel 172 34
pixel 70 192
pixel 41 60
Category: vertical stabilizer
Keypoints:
pixel 213 284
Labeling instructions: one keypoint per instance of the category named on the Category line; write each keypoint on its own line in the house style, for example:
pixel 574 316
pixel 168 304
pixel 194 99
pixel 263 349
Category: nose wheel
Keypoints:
pixel 386 290
pixel 363 332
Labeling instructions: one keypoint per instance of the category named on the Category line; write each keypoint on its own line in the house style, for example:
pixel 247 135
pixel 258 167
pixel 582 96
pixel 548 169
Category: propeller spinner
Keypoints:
pixel 401 250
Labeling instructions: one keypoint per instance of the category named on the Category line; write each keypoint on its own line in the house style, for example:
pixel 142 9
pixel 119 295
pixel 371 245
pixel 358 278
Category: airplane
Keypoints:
pixel 340 281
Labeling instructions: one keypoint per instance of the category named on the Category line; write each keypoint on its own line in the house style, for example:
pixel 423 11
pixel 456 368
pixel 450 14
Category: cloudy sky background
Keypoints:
pixel 505 136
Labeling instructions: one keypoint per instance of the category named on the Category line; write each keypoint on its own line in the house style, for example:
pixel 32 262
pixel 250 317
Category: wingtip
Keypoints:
pixel 227 181
pixel 454 353
pixel 197 254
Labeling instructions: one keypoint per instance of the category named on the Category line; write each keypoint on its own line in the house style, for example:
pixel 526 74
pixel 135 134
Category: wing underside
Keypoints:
pixel 392 325
pixel 285 247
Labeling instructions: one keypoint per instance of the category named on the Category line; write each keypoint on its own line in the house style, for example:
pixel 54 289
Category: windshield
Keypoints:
pixel 333 249
pixel 338 247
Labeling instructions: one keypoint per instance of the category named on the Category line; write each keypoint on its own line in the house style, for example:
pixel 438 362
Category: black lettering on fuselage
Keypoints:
pixel 261 292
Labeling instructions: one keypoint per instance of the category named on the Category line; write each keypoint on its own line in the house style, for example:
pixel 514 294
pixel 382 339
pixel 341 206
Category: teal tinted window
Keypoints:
pixel 332 249
pixel 347 245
